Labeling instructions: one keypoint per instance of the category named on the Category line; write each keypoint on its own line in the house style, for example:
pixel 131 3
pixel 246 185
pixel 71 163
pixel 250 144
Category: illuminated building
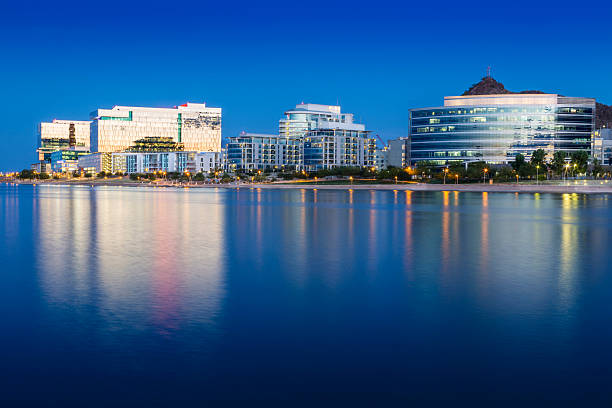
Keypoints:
pixel 194 125
pixel 62 134
pixel 602 146
pixel 495 128
pixel 255 151
pixel 95 163
pixel 207 162
pixel 66 160
pixel 152 162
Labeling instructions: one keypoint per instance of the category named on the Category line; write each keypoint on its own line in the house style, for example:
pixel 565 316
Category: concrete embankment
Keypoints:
pixel 491 188
pixel 577 187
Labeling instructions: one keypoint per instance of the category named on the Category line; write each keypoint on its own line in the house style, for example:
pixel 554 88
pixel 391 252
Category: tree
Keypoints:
pixel 26 174
pixel 558 161
pixel 538 157
pixel 580 159
pixel 519 161
pixel 597 168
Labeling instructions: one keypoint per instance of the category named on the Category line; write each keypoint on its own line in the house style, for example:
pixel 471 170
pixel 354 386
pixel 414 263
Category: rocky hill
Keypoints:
pixel 489 86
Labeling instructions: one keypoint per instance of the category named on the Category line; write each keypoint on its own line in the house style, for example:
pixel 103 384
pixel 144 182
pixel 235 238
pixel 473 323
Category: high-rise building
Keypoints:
pixel 495 128
pixel 194 125
pixel 308 116
pixel 60 135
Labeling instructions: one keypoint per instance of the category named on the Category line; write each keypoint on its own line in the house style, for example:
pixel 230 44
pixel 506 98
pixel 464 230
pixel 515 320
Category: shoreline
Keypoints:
pixel 604 188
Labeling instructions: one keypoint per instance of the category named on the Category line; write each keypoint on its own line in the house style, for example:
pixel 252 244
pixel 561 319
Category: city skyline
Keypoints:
pixel 253 64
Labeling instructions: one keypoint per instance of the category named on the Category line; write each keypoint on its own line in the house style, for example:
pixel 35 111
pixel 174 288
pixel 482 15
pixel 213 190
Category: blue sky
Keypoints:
pixel 257 59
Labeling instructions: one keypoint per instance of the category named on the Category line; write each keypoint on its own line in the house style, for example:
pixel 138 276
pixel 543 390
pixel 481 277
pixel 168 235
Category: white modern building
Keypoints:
pixel 257 151
pixel 62 134
pixel 152 162
pixel 195 125
pixel 308 116
pixel 207 162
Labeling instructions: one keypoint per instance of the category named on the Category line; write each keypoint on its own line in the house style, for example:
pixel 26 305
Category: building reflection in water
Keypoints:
pixel 569 247
pixel 142 258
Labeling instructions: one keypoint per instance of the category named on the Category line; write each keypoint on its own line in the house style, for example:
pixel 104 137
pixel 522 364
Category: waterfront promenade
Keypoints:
pixel 577 186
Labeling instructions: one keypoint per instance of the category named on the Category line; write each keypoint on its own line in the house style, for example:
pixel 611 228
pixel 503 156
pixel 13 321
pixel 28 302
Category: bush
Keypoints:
pixel 44 176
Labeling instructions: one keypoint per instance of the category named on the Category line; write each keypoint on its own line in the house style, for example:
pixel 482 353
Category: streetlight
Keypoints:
pixel 395 179
pixel 517 177
pixel 445 171
pixel 566 167
pixel 457 178
pixel 538 174
pixel 351 179
pixel 484 175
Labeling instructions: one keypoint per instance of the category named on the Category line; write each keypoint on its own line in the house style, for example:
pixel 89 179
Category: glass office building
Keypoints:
pixel 195 125
pixel 62 135
pixel 495 128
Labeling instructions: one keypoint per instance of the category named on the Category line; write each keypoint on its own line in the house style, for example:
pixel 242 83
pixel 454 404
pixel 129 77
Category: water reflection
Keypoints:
pixel 255 286
pixel 141 259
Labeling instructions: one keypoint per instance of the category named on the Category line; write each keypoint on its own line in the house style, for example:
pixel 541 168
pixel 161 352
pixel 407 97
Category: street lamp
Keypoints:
pixel 445 171
pixel 484 175
pixel 517 178
pixel 457 178
pixel 395 179
pixel 538 174
pixel 351 179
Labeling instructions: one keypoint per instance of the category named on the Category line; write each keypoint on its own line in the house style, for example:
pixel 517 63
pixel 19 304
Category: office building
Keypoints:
pixel 42 167
pixel 195 125
pixel 66 160
pixel 95 163
pixel 256 151
pixel 495 128
pixel 62 134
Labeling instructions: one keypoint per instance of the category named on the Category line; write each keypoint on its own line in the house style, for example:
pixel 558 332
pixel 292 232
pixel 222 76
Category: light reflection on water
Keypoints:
pixel 317 288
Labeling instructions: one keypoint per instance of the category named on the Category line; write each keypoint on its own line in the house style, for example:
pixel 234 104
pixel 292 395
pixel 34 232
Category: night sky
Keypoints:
pixel 257 59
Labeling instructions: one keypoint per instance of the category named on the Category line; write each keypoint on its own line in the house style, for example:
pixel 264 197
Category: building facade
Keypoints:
pixel 209 162
pixel 399 152
pixel 495 128
pixel 256 151
pixel 95 163
pixel 602 146
pixel 154 162
pixel 62 134
pixel 66 160
pixel 309 116
pixel 194 125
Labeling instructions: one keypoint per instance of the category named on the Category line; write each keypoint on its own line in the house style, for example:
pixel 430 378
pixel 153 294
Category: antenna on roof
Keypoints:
pixel 489 72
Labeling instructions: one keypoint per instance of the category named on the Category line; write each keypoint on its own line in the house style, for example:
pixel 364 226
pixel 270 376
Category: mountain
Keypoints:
pixel 489 86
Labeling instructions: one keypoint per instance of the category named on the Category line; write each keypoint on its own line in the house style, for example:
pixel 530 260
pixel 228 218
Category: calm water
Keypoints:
pixel 161 296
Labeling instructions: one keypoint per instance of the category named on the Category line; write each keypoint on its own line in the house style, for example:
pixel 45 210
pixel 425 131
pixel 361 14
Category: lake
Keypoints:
pixel 145 296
